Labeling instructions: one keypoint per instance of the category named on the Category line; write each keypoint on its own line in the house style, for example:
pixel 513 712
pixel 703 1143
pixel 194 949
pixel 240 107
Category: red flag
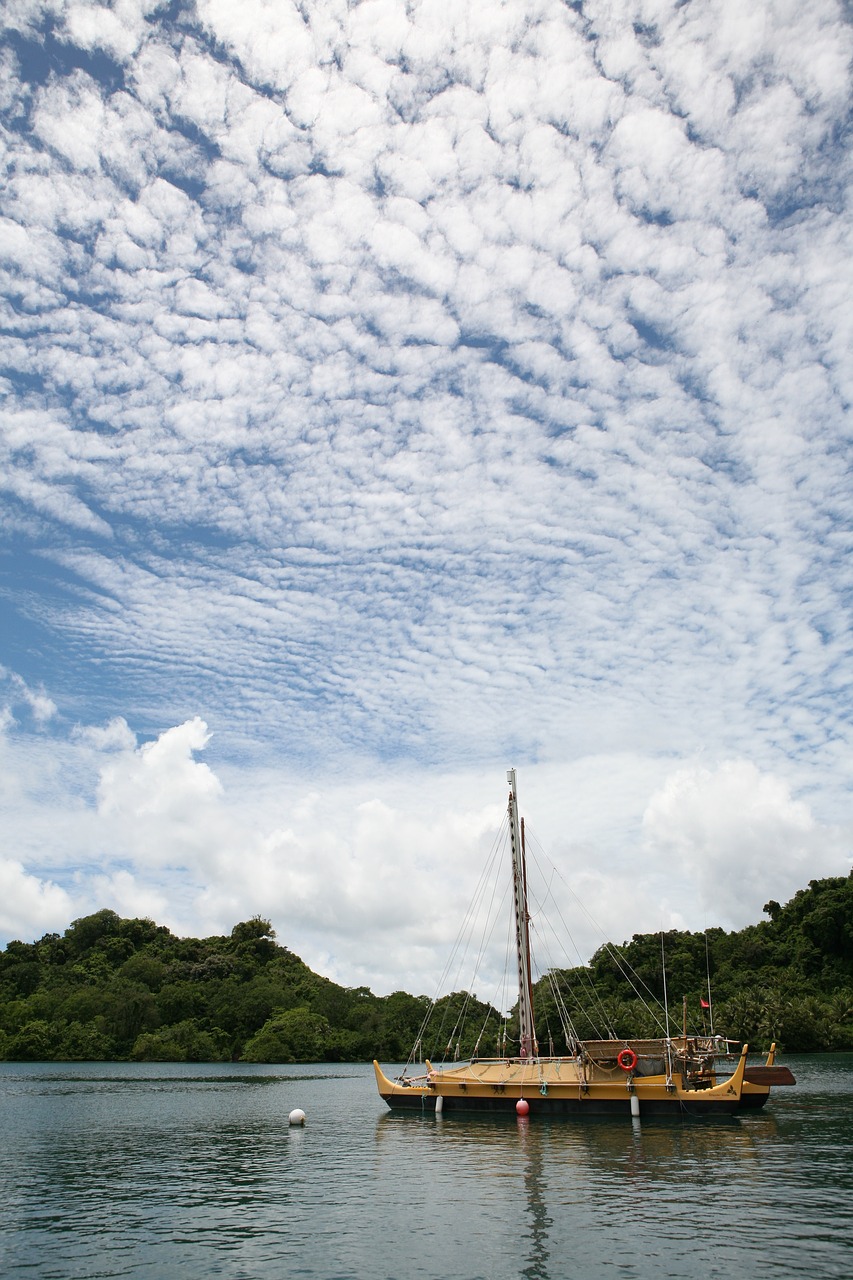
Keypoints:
pixel 704 1003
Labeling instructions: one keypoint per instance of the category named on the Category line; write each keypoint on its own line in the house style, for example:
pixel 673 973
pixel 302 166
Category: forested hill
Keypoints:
pixel 109 988
pixel 788 978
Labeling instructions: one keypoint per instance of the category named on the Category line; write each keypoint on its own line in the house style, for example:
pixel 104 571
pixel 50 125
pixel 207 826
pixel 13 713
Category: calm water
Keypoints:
pixel 139 1170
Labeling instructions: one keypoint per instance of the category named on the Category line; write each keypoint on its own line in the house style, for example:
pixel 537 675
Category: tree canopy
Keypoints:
pixel 111 988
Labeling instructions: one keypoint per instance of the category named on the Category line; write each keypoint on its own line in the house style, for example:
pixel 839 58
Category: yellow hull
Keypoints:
pixel 566 1086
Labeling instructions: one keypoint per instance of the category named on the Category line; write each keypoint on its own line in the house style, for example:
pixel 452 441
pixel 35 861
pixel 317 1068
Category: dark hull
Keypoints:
pixel 562 1107
pixel 753 1101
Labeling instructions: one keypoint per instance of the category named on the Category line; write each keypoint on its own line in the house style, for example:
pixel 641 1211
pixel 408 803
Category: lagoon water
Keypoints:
pixel 150 1170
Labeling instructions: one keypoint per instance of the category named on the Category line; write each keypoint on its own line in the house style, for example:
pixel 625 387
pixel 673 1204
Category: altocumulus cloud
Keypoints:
pixel 394 394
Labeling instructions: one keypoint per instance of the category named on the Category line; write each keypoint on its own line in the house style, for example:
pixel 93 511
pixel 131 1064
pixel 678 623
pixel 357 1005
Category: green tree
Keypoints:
pixel 35 1042
pixel 82 934
pixel 253 942
pixel 83 1042
pixel 182 1042
pixel 297 1035
pixel 400 1019
pixel 129 1009
pixel 145 969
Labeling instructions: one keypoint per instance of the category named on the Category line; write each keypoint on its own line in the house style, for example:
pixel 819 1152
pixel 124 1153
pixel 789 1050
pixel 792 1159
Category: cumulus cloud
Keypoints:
pixel 30 906
pixel 737 833
pixel 161 777
pixel 371 877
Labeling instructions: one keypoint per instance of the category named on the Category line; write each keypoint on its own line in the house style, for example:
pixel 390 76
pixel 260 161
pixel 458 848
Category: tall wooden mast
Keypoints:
pixel 527 1032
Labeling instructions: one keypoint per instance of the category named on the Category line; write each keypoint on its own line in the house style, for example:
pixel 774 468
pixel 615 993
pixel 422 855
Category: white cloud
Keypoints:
pixel 738 833
pixel 161 785
pixel 95 26
pixel 41 707
pixel 271 39
pixel 114 736
pixel 369 877
pixel 30 906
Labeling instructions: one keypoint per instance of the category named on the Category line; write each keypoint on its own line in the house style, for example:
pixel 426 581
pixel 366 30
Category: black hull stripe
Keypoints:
pixel 572 1106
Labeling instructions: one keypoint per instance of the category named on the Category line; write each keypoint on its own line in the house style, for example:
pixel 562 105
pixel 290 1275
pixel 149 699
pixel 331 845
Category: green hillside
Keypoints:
pixel 788 978
pixel 109 988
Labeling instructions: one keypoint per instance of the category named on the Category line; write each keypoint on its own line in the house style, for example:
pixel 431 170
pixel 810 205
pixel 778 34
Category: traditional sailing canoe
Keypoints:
pixel 681 1075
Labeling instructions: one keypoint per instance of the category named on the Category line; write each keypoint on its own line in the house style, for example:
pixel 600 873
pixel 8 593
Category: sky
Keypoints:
pixel 393 394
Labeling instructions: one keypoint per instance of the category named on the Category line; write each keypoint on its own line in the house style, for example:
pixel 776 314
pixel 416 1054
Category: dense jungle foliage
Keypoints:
pixel 110 988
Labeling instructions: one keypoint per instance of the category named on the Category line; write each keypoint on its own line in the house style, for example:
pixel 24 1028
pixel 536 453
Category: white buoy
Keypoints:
pixel 297 1117
pixel 635 1105
pixel 439 1105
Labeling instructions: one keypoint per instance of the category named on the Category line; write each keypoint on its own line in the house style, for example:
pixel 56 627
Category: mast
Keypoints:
pixel 527 1033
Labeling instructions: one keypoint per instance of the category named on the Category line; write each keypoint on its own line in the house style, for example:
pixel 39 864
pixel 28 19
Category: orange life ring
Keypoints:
pixel 627 1059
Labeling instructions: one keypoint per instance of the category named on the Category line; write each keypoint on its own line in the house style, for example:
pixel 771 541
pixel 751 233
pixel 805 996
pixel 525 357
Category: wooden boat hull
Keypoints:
pixel 562 1088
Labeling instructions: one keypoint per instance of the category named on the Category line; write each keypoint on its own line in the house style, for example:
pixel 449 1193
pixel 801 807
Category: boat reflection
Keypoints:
pixel 538 1216
pixel 534 1175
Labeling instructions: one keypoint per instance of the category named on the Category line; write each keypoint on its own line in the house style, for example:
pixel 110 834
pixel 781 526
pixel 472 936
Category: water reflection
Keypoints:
pixel 658 1197
pixel 119 1172
pixel 539 1220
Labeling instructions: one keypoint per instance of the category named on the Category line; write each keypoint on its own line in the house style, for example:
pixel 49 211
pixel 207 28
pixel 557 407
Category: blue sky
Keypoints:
pixel 394 394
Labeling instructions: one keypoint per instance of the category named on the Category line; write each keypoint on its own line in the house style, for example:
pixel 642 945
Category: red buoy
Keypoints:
pixel 522 1107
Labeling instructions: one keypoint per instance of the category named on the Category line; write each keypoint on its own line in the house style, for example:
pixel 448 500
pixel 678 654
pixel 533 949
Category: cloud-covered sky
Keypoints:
pixel 394 393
